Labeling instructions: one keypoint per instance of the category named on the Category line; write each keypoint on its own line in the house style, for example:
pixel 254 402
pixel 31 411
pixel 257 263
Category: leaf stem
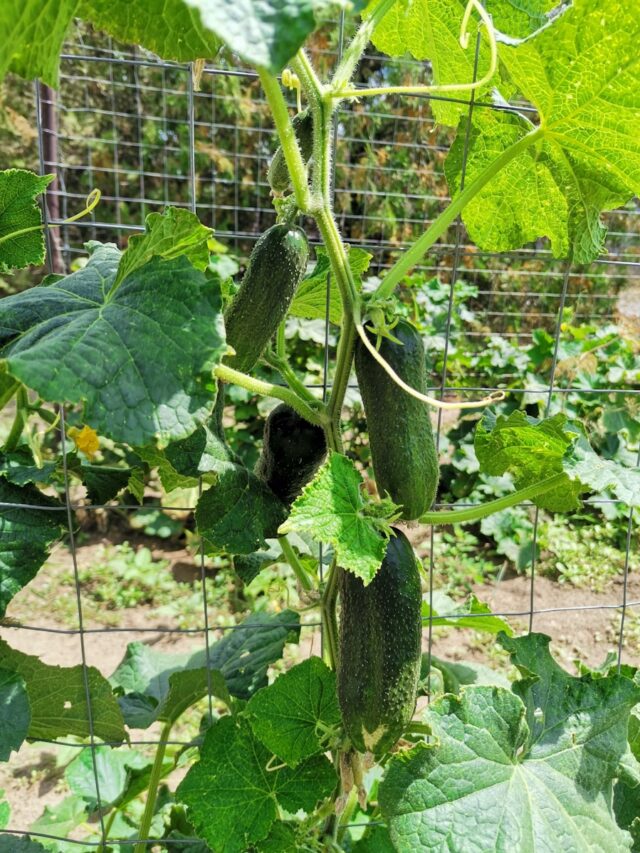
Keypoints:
pixel 267 389
pixel 152 790
pixel 358 45
pixel 19 420
pixel 475 513
pixel 422 245
pixel 292 558
pixel 288 140
pixel 286 371
pixel 328 613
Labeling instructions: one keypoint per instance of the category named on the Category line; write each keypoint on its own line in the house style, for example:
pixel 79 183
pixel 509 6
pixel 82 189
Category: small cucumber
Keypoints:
pixel 278 174
pixel 292 452
pixel 403 453
pixel 276 266
pixel 380 649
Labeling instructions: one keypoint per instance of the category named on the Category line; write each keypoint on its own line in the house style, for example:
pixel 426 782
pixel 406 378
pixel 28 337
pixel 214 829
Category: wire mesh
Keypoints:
pixel 136 128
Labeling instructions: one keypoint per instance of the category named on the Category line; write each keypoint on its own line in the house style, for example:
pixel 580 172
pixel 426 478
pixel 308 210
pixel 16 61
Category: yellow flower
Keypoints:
pixel 86 440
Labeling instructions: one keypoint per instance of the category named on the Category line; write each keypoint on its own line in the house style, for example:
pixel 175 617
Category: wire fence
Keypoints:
pixel 137 129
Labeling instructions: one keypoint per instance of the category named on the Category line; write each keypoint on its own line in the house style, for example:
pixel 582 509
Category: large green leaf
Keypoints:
pixel 20 468
pixel 266 34
pixel 169 28
pixel 582 73
pixel 295 715
pixel 27 534
pixel 19 212
pixel 19 844
pixel 333 508
pixel 488 784
pixel 15 714
pixel 58 700
pixel 233 794
pixel 154 685
pixel 239 513
pixel 113 767
pixel 168 235
pixel 140 356
pixel 31 36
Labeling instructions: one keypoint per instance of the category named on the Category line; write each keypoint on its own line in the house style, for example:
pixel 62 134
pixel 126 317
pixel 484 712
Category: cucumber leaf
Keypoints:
pixel 233 793
pixel 61 819
pixel 27 534
pixel 537 764
pixel 168 235
pixel 31 37
pixel 472 614
pixel 533 450
pixel 157 686
pixel 19 211
pixel 294 716
pixel 238 513
pixel 169 28
pixel 15 713
pixel 310 301
pixel 114 769
pixel 333 508
pixel 58 699
pixel 266 34
pixel 582 73
pixel 20 468
pixel 139 358
pixel 19 844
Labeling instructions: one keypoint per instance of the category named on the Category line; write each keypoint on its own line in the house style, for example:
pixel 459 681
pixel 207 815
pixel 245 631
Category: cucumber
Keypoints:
pixel 403 453
pixel 278 174
pixel 292 452
pixel 276 266
pixel 380 649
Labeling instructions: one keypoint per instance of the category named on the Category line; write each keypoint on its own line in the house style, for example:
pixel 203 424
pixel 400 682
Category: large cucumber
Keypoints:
pixel 278 174
pixel 276 266
pixel 403 454
pixel 292 452
pixel 380 649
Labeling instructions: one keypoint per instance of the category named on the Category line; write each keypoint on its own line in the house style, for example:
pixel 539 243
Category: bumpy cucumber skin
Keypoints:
pixel 292 452
pixel 278 174
pixel 276 266
pixel 380 649
pixel 403 453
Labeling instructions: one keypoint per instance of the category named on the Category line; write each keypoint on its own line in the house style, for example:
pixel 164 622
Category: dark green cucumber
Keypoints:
pixel 380 649
pixel 278 174
pixel 276 266
pixel 292 452
pixel 403 453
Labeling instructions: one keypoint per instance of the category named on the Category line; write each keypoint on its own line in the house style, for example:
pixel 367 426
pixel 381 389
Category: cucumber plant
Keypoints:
pixel 143 344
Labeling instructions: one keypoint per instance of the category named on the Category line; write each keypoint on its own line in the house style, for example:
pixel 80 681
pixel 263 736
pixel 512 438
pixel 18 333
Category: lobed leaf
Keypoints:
pixel 19 212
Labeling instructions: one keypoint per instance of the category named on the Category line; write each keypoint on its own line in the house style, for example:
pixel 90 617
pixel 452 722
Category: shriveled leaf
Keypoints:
pixel 490 785
pixel 310 301
pixel 333 508
pixel 31 36
pixel 19 212
pixel 15 713
pixel 58 700
pixel 266 34
pixel 233 798
pixel 238 513
pixel 472 614
pixel 139 358
pixel 169 28
pixel 584 65
pixel 27 533
pixel 533 450
pixel 168 235
pixel 293 716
